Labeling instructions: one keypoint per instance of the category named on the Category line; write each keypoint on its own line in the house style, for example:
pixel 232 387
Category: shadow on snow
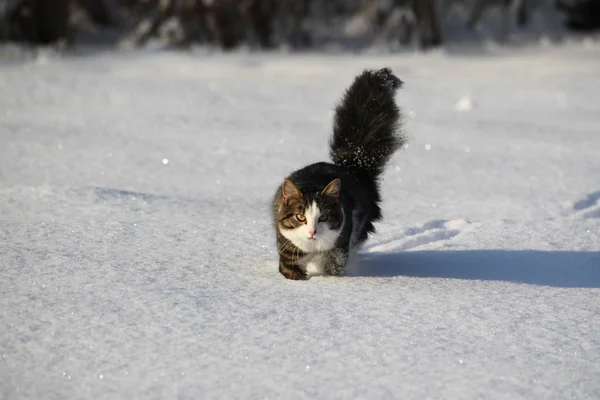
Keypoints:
pixel 551 268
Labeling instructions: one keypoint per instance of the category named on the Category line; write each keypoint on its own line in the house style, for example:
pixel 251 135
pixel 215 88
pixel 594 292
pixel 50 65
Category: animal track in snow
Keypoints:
pixel 432 232
pixel 588 207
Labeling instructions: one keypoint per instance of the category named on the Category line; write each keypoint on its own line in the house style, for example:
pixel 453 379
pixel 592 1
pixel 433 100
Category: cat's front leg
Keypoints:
pixel 336 261
pixel 292 271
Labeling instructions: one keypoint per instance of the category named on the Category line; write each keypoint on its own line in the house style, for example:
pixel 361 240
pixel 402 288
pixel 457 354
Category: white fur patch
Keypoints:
pixel 323 240
pixel 312 214
pixel 314 264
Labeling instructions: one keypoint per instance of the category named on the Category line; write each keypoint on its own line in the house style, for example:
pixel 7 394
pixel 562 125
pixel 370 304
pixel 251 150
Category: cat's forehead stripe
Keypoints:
pixel 312 211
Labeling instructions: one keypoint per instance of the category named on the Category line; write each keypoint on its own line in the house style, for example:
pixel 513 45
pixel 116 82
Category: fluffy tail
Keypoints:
pixel 366 130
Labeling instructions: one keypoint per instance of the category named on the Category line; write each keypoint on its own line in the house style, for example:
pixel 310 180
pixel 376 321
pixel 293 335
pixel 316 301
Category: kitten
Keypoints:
pixel 323 211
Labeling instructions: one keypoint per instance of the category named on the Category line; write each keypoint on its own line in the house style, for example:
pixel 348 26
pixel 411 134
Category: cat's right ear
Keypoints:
pixel 290 190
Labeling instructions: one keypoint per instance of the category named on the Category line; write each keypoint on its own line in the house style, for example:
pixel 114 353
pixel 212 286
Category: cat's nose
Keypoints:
pixel 312 232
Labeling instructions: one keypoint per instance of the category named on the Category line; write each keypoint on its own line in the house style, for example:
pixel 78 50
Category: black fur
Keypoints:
pixel 366 123
pixel 366 134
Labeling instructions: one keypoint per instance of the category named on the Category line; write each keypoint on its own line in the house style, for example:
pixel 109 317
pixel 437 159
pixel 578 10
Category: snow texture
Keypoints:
pixel 137 258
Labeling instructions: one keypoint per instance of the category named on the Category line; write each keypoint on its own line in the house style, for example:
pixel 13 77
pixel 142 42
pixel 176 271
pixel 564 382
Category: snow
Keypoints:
pixel 137 257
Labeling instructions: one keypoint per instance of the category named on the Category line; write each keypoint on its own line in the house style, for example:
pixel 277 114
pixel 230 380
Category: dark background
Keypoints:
pixel 293 24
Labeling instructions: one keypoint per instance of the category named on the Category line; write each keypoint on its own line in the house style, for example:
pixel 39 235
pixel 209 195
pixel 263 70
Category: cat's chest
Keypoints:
pixel 314 263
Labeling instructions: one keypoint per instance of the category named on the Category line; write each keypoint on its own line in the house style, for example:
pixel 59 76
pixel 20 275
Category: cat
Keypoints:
pixel 322 212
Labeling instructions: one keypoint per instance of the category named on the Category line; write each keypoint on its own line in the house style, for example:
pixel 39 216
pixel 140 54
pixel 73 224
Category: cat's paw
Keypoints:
pixel 337 262
pixel 295 274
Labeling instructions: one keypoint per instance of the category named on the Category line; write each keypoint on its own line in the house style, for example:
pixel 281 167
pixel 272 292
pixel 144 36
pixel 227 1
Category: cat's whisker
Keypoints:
pixel 323 238
pixel 285 247
pixel 296 255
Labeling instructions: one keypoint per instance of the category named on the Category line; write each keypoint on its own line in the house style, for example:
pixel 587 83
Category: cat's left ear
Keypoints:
pixel 333 189
pixel 290 190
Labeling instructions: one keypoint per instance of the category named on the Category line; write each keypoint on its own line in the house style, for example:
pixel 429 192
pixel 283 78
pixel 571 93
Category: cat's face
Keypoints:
pixel 311 221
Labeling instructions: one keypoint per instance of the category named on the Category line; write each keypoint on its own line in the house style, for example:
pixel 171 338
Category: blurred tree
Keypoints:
pixel 507 7
pixel 37 21
pixel 582 15
pixel 419 14
pixel 260 23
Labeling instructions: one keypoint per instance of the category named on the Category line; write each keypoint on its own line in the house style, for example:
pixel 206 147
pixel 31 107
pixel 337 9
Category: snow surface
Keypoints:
pixel 137 258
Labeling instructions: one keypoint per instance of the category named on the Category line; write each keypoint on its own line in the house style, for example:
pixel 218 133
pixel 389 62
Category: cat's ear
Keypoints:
pixel 290 190
pixel 333 189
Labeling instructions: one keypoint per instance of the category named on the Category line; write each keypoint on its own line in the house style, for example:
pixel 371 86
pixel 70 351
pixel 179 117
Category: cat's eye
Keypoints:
pixel 323 217
pixel 300 217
